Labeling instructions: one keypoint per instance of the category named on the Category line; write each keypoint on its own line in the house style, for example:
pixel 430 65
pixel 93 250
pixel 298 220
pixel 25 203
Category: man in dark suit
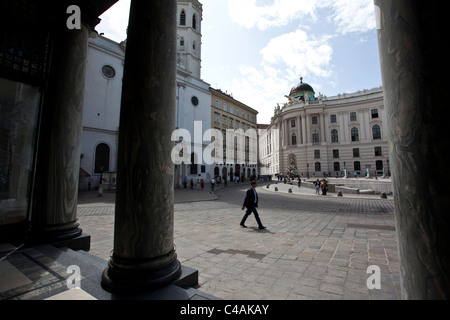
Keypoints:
pixel 251 203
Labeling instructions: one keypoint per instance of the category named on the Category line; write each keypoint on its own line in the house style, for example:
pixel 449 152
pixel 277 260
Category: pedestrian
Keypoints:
pixel 299 182
pixel 89 186
pixel 192 184
pixel 317 185
pixel 323 186
pixel 202 183
pixel 185 182
pixel 212 184
pixel 198 184
pixel 225 183
pixel 251 203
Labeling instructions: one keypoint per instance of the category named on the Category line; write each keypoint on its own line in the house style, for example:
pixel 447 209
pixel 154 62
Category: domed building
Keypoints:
pixel 316 136
pixel 302 91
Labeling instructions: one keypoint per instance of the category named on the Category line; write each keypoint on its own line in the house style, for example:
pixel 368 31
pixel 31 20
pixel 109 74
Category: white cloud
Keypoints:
pixel 348 15
pixel 354 15
pixel 261 89
pixel 300 53
pixel 278 13
pixel 284 60
pixel 115 21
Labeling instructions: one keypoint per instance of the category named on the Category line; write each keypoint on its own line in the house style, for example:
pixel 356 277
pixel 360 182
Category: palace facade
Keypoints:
pixel 314 135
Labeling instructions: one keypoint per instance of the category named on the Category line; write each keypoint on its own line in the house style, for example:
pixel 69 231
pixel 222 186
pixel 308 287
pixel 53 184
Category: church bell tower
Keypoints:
pixel 189 36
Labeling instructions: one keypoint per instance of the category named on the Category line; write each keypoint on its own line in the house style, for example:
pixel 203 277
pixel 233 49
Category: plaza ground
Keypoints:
pixel 314 247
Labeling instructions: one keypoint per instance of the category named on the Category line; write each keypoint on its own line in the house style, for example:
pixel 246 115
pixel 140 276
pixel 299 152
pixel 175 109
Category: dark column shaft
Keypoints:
pixel 415 66
pixel 144 255
pixel 58 163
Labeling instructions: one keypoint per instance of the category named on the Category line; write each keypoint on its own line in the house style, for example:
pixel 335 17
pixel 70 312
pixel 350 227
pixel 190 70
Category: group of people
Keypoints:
pixel 321 186
pixel 201 183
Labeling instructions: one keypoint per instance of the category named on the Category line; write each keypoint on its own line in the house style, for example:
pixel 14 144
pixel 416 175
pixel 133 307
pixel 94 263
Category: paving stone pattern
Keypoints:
pixel 314 247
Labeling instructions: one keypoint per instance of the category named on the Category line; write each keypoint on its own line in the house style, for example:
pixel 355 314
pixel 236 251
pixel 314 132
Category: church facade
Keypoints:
pixel 315 136
pixel 102 102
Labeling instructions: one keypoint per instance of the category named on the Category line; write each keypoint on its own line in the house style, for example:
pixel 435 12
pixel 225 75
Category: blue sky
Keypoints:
pixel 257 50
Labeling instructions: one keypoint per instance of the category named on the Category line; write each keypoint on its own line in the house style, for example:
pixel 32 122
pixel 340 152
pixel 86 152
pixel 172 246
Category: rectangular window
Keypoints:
pixel 293 123
pixel 374 113
pixel 333 118
pixel 335 153
pixel 231 109
pixel 224 106
pixel 337 166
pixel 316 154
pixel 355 152
pixel 353 116
pixel 314 120
pixel 217 103
pixel 378 152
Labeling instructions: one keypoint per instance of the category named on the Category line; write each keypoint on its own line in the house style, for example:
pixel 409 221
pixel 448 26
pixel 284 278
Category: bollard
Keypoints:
pixel 276 189
pixel 290 190
pixel 383 195
pixel 100 190
pixel 339 194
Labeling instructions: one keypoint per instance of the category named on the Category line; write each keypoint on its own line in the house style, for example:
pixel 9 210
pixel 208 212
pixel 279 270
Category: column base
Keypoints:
pixel 130 275
pixel 51 234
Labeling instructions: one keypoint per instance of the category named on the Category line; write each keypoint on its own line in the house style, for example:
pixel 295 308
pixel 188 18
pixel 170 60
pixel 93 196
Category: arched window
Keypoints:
pixel 194 22
pixel 315 136
pixel 355 134
pixel 294 139
pixel 182 43
pixel 182 18
pixel 102 154
pixel 334 136
pixel 376 132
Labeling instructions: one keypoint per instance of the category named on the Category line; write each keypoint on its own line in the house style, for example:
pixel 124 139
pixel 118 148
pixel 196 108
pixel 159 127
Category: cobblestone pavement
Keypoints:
pixel 314 247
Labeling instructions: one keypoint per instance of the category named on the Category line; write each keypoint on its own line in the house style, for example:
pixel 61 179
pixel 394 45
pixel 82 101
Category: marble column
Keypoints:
pixel 55 194
pixel 144 255
pixel 414 62
pixel 303 128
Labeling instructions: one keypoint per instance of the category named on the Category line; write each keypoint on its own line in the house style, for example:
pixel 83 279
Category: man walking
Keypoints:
pixel 251 203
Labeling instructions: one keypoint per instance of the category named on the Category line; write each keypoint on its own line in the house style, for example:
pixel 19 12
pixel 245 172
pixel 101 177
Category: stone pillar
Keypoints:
pixel 323 137
pixel 299 130
pixel 415 64
pixel 303 128
pixel 144 256
pixel 308 129
pixel 55 194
